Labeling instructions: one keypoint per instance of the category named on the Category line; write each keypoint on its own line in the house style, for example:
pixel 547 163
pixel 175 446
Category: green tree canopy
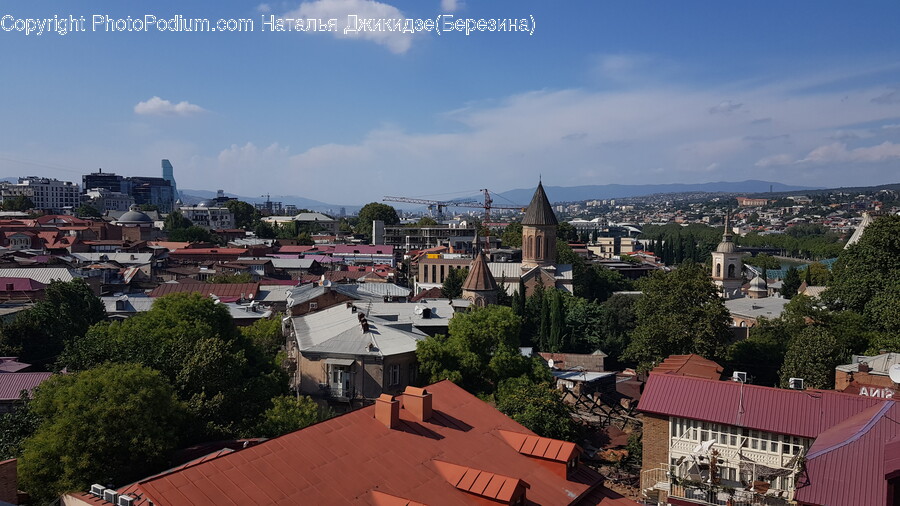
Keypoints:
pixel 87 211
pixel 17 203
pixel 536 405
pixel 192 233
pixel 763 261
pixel 452 287
pixel 264 230
pixel 38 335
pixel 599 283
pixel 791 283
pixel 812 355
pixel 115 423
pixel 245 215
pixel 226 381
pixel 426 221
pixel 289 413
pixel 512 235
pixel 374 211
pixel 480 350
pixel 176 221
pixel 680 312
pixel 866 276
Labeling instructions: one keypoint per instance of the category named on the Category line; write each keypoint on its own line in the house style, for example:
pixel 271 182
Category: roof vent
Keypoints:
pixel 97 490
pixel 739 376
pixel 795 383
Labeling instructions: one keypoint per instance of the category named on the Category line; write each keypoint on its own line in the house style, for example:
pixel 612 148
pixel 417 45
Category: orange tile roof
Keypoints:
pixel 355 459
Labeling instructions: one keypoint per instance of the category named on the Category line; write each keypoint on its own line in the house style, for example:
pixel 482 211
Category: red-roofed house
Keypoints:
pixel 770 444
pixel 440 446
pixel 21 289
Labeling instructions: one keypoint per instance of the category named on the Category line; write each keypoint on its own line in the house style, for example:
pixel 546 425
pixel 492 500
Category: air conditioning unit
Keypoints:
pixel 97 490
pixel 740 376
pixel 111 496
pixel 795 383
pixel 126 500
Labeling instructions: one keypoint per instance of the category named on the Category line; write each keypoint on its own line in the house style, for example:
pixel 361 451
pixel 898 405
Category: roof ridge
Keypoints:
pixel 886 405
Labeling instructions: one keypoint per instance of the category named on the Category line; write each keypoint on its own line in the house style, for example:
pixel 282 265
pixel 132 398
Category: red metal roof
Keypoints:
pixel 12 383
pixel 847 464
pixel 690 365
pixel 221 290
pixel 348 458
pixel 209 251
pixel 541 447
pixel 20 285
pixel 805 413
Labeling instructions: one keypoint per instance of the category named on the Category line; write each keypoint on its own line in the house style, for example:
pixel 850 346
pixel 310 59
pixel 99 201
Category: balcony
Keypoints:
pixel 658 481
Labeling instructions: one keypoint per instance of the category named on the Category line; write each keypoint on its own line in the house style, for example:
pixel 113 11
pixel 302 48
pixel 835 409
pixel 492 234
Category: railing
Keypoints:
pixel 655 479
pixel 719 497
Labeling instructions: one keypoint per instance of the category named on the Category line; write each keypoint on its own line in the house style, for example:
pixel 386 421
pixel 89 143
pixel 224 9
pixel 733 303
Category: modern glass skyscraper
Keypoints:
pixel 168 173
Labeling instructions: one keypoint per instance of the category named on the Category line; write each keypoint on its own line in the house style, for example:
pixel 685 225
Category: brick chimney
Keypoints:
pixel 387 411
pixel 863 367
pixel 418 402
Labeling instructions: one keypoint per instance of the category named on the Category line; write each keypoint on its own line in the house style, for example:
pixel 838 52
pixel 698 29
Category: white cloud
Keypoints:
pixel 264 8
pixel 450 5
pixel 775 160
pixel 159 107
pixel 396 41
pixel 837 152
pixel 725 107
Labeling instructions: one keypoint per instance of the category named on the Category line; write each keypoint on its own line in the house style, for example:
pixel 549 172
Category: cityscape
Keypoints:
pixel 450 252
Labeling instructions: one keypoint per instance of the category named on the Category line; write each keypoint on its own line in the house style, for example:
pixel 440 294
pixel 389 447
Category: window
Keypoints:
pixel 394 372
pixel 313 305
pixel 413 373
pixel 731 271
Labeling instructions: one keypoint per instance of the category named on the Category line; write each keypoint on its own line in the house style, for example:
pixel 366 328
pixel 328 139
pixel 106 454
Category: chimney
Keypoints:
pixel 387 411
pixel 418 402
pixel 863 367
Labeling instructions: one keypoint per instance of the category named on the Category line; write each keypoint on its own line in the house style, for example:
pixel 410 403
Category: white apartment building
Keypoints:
pixel 49 195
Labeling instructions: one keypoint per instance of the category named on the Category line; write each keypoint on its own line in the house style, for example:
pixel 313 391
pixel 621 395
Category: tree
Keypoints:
pixel 867 273
pixel 599 283
pixel 680 312
pixel 226 381
pixel 192 233
pixel 265 334
pixel 763 261
pixel 812 355
pixel 480 350
pixel 289 413
pixel 87 211
pixel 15 427
pixel 38 335
pixel 176 221
pixel 245 215
pixel 567 232
pixel 304 239
pixel 375 211
pixel 426 221
pixel 512 235
pixel 818 274
pixel 148 207
pixel 113 424
pixel 264 230
pixel 17 203
pixel 537 406
pixel 453 283
pixel 790 283
pixel 761 355
pixel 243 277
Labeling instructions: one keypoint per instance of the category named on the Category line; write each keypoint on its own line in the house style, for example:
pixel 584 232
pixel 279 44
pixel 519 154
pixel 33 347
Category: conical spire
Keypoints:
pixel 480 278
pixel 539 211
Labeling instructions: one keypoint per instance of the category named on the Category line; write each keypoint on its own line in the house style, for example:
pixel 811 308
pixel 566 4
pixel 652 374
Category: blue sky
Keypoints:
pixel 630 92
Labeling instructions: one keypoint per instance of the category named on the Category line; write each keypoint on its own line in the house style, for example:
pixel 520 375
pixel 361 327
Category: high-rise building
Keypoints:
pixel 157 191
pixel 100 179
pixel 47 194
pixel 168 173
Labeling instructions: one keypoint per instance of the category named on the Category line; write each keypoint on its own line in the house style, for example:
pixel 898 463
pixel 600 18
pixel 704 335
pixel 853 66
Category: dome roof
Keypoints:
pixel 726 247
pixel 758 284
pixel 135 217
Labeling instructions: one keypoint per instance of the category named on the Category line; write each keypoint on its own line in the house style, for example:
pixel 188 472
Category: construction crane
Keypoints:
pixel 487 205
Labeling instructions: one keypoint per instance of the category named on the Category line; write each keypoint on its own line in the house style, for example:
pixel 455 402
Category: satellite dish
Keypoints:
pixel 894 373
pixel 418 310
pixel 550 363
pixel 326 283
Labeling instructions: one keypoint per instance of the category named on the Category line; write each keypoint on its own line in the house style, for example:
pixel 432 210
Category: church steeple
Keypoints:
pixel 726 264
pixel 539 232
pixel 480 287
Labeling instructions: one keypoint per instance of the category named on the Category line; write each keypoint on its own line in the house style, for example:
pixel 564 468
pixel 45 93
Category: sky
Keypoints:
pixel 595 92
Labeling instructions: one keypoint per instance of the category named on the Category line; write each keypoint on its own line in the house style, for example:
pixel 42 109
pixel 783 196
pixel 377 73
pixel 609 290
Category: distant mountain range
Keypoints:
pixel 616 191
pixel 196 196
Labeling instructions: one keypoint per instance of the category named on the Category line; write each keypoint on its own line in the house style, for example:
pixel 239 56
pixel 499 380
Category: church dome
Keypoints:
pixel 134 217
pixel 726 247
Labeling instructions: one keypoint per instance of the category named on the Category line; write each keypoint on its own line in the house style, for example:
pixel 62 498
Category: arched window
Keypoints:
pixel 731 271
pixel 718 270
pixel 539 250
pixel 529 248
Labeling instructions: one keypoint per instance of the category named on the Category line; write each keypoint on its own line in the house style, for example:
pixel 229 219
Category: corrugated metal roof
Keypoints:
pixel 226 290
pixel 690 365
pixel 40 274
pixel 12 383
pixel 345 459
pixel 539 211
pixel 846 466
pixel 121 258
pixel 805 413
